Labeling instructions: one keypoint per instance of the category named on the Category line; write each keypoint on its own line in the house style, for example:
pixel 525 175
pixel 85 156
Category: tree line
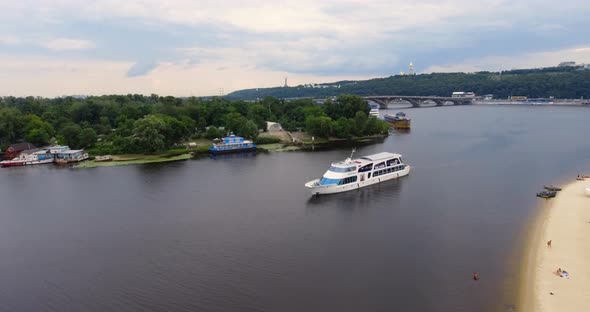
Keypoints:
pixel 134 123
pixel 559 82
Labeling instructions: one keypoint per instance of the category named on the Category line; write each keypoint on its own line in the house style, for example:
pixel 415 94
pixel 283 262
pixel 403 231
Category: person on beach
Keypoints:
pixel 549 244
pixel 475 276
pixel 558 272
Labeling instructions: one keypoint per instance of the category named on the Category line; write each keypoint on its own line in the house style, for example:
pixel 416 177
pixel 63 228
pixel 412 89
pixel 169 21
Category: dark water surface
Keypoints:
pixel 243 234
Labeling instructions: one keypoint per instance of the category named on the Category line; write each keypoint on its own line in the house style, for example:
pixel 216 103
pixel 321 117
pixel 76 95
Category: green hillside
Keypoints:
pixel 559 82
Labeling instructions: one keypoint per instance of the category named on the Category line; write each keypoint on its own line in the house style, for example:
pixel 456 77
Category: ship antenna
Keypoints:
pixel 352 153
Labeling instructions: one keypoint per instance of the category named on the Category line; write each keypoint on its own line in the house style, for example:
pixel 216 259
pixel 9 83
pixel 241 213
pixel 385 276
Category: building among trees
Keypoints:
pixel 15 149
pixel 273 126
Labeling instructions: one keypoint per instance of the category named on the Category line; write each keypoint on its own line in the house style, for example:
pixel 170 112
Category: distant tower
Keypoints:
pixel 286 82
pixel 411 69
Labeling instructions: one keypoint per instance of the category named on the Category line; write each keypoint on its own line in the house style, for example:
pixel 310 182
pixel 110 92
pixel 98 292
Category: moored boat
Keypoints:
pixel 374 112
pixel 67 156
pixel 36 158
pixel 353 174
pixel 103 158
pixel 398 121
pixel 47 155
pixel 552 188
pixel 13 162
pixel 547 194
pixel 232 144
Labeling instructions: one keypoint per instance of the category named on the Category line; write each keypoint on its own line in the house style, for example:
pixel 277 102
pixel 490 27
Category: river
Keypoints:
pixel 242 233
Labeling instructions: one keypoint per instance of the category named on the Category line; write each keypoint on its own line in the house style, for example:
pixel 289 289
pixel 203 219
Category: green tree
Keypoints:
pixel 36 130
pixel 11 126
pixel 259 114
pixel 248 129
pixel 150 132
pixel 320 126
pixel 343 128
pixel 71 135
pixel 87 137
pixel 360 121
pixel 233 121
pixel 38 137
pixel 214 133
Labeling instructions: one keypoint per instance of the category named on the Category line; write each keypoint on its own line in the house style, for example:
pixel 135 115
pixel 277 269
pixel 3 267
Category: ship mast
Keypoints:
pixel 349 159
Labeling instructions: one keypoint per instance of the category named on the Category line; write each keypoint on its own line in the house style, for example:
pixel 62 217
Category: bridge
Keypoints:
pixel 417 101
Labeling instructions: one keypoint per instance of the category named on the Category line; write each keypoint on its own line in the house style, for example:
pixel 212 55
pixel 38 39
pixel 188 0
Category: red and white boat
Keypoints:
pixel 19 161
pixel 37 158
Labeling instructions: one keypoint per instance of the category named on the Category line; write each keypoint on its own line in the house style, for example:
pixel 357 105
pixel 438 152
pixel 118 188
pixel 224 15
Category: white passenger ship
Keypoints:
pixel 352 174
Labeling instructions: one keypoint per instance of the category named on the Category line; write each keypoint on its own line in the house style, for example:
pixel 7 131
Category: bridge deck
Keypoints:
pixel 416 100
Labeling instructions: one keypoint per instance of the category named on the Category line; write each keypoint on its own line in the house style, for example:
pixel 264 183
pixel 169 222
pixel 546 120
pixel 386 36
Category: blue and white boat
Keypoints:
pixel 232 144
pixel 352 174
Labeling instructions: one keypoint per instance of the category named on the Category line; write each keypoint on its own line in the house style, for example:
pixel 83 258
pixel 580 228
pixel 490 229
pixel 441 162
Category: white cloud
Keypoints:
pixel 64 44
pixel 9 40
pixel 44 76
pixel 257 42
pixel 349 18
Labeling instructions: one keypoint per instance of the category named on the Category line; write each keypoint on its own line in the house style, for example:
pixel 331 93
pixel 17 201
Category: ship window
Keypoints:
pixel 326 181
pixel 339 169
pixel 366 168
pixel 380 165
pixel 369 176
pixel 348 180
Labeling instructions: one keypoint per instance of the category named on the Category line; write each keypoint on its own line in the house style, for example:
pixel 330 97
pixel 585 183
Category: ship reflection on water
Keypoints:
pixel 232 155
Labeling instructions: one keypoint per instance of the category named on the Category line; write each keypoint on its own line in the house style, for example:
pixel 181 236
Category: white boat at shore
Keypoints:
pixel 35 158
pixel 353 174
pixel 374 112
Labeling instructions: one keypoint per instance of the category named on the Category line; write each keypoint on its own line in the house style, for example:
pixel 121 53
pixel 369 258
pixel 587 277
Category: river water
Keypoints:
pixel 242 233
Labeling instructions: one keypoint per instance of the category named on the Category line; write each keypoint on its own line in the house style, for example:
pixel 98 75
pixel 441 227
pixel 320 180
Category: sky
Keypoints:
pixel 200 48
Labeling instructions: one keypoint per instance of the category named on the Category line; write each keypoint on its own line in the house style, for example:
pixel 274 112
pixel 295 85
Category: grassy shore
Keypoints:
pixel 203 148
pixel 278 147
pixel 566 222
pixel 318 143
pixel 122 160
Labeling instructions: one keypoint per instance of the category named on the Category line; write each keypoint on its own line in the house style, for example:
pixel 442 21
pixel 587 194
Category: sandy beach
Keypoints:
pixel 567 224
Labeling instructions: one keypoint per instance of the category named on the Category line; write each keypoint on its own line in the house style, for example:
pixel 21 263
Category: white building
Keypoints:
pixel 463 94
pixel 273 126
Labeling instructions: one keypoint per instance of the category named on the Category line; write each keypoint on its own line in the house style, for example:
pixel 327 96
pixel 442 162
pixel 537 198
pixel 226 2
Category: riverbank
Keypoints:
pixel 308 143
pixel 565 222
pixel 123 160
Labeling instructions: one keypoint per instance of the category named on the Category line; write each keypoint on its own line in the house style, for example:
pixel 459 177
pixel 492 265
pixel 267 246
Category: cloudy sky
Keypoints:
pixel 183 48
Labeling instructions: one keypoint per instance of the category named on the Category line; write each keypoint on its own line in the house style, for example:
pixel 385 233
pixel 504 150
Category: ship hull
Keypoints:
pixel 9 163
pixel 230 151
pixel 401 124
pixel 333 189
